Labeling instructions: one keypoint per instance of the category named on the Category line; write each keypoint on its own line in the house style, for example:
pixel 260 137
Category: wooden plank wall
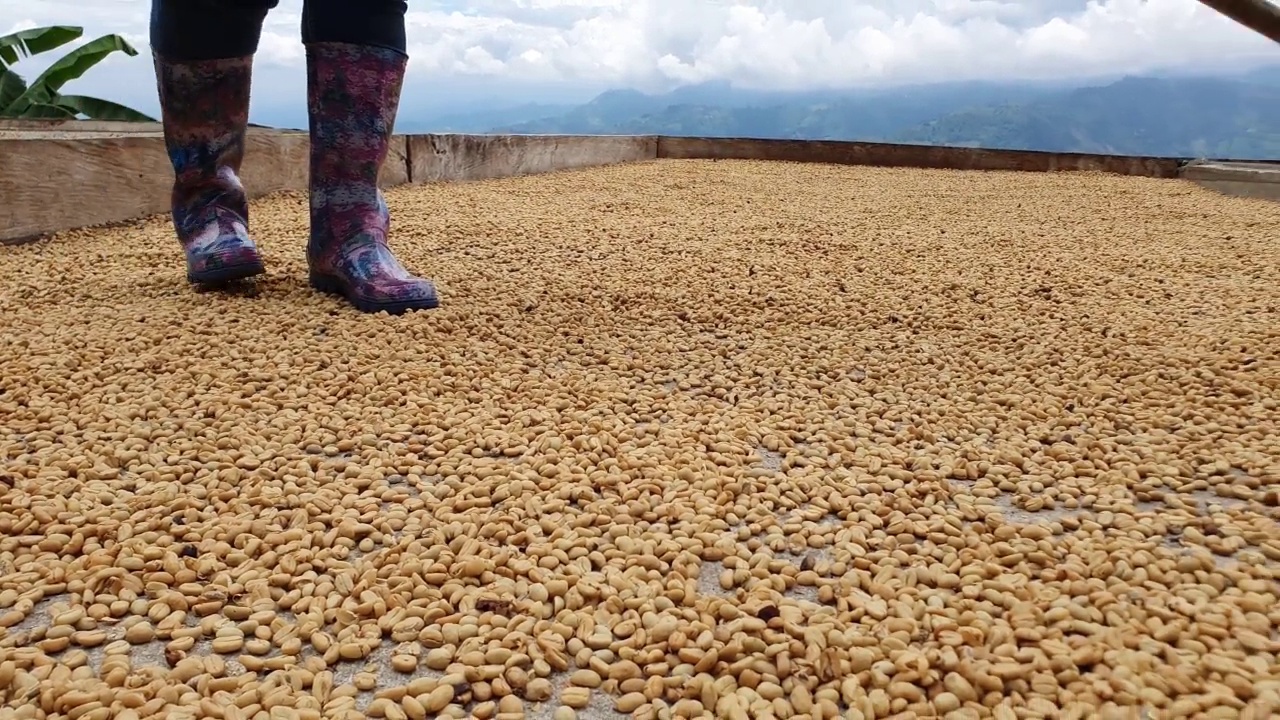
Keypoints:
pixel 921 156
pixel 58 176
pixel 52 178
pixel 55 181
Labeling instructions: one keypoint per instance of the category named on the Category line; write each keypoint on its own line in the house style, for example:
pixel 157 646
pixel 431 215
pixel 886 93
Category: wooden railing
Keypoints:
pixel 1261 16
pixel 74 174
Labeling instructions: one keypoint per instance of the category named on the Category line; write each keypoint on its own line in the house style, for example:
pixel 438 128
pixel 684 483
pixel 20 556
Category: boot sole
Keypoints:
pixel 223 275
pixel 334 286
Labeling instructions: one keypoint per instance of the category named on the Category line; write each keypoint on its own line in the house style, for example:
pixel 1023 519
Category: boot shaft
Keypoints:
pixel 353 93
pixel 205 109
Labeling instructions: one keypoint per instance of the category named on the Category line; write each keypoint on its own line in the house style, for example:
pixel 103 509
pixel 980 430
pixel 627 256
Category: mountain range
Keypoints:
pixel 1225 116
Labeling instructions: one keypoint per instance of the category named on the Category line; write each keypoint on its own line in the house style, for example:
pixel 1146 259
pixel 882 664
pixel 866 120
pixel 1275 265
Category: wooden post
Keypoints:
pixel 1261 16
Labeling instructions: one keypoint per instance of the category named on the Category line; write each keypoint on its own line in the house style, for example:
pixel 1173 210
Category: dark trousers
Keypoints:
pixel 219 29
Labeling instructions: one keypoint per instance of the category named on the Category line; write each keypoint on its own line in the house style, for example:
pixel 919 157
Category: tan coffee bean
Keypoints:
pixel 733 438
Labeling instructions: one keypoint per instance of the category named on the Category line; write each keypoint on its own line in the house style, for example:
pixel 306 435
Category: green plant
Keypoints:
pixel 41 98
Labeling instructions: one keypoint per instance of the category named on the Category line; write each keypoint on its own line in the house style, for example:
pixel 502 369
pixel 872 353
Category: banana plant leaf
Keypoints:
pixel 99 109
pixel 46 111
pixel 25 43
pixel 11 88
pixel 45 88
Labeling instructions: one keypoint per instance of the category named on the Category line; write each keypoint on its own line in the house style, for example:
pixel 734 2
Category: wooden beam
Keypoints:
pixel 844 152
pixel 1261 16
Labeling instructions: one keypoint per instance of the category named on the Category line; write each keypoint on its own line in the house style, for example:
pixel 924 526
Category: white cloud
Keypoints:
pixel 761 43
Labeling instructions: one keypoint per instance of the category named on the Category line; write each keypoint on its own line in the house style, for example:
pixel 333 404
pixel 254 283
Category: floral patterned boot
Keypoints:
pixel 353 92
pixel 205 109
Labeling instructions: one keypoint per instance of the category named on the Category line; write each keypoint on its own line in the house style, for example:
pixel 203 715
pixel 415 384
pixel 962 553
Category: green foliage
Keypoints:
pixel 41 98
pixel 26 43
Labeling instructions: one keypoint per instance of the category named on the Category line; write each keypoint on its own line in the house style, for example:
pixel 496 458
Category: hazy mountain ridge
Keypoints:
pixel 1226 116
pixel 483 120
pixel 1190 117
pixel 715 110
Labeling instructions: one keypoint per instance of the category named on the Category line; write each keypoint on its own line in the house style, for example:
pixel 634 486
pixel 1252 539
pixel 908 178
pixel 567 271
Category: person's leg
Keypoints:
pixel 378 23
pixel 355 67
pixel 203 54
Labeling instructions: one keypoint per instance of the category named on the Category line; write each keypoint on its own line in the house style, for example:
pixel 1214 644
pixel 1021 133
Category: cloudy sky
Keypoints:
pixel 562 49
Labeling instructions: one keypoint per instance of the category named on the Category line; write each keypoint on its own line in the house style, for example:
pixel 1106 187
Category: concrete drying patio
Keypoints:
pixel 687 439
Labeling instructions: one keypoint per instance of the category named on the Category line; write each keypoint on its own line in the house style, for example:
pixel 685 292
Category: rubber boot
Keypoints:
pixel 353 92
pixel 205 108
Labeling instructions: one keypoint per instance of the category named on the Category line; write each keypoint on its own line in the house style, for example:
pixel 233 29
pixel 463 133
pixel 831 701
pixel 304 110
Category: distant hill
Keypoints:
pixel 1188 117
pixel 717 111
pixel 1234 116
pixel 480 121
